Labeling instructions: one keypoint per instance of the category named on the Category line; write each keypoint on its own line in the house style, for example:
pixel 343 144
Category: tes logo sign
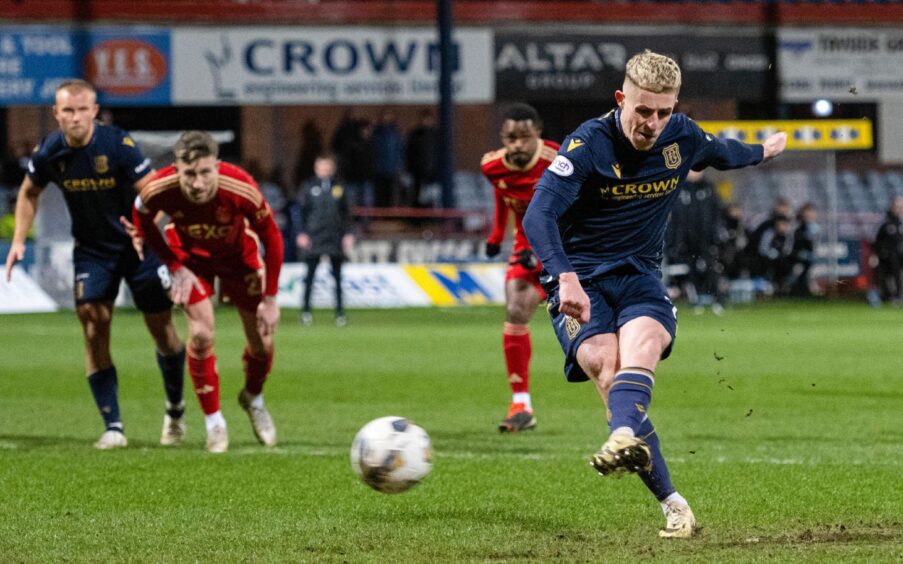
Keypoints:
pixel 125 67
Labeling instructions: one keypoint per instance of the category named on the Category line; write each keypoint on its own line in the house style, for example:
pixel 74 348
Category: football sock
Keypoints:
pixel 257 401
pixel 256 370
pixel 105 388
pixel 516 340
pixel 202 367
pixel 673 498
pixel 172 368
pixel 214 419
pixel 629 398
pixel 524 398
pixel 658 480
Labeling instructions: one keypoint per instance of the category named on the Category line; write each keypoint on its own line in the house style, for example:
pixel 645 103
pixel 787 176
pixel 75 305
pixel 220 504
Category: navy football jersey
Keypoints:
pixel 97 181
pixel 608 203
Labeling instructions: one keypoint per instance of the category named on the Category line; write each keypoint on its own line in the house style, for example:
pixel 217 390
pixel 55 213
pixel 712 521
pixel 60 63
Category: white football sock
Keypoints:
pixel 673 498
pixel 257 401
pixel 214 420
pixel 522 397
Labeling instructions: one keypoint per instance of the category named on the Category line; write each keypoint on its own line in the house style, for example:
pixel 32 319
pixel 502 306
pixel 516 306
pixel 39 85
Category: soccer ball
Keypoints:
pixel 391 454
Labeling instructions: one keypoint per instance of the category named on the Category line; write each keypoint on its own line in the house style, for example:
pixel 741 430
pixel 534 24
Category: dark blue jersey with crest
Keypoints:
pixel 602 204
pixel 97 181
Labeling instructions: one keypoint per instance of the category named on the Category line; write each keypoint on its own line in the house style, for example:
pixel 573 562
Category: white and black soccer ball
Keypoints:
pixel 391 454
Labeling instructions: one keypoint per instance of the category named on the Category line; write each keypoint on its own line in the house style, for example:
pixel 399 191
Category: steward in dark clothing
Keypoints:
pixel 694 234
pixel 889 249
pixel 322 222
pixel 804 240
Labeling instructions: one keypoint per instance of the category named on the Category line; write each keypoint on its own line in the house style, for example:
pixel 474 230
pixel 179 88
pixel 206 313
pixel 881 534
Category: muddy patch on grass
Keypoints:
pixel 829 533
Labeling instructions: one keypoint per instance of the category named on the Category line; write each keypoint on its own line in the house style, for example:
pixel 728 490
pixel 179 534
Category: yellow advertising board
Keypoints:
pixel 802 135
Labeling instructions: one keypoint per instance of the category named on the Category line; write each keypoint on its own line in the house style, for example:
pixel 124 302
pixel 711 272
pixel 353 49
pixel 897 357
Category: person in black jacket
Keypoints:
pixel 323 225
pixel 422 155
pixel 803 255
pixel 703 220
pixel 889 249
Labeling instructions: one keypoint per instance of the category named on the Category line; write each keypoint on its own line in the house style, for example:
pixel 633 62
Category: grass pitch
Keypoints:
pixel 780 423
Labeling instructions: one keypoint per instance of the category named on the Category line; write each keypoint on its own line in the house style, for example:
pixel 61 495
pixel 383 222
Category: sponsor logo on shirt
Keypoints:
pixel 88 184
pixel 562 166
pixel 643 190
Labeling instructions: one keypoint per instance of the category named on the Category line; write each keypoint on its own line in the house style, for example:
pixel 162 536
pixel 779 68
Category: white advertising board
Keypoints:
pixel 23 295
pixel 863 64
pixel 325 65
pixel 394 285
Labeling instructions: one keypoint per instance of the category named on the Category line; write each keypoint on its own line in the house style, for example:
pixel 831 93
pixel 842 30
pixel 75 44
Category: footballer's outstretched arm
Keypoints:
pixel 775 145
pixel 26 209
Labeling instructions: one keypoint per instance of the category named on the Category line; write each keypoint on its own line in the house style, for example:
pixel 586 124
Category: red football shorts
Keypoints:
pixel 240 282
pixel 519 272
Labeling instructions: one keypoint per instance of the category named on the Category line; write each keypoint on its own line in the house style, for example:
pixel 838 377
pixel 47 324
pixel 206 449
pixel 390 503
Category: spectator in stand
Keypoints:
pixel 274 194
pixel 15 162
pixel 323 225
pixel 775 251
pixel 388 144
pixel 889 250
pixel 733 243
pixel 422 155
pixel 354 156
pixel 805 238
pixel 781 208
pixel 312 145
pixel 705 215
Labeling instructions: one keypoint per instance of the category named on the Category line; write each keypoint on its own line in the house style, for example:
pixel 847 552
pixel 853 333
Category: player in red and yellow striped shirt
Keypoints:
pixel 513 171
pixel 218 222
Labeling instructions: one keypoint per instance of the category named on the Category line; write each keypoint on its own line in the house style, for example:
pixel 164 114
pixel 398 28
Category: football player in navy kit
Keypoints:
pixel 99 168
pixel 597 222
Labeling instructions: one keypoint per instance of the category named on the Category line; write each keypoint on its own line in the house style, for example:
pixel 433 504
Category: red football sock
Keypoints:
pixel 202 367
pixel 256 370
pixel 517 356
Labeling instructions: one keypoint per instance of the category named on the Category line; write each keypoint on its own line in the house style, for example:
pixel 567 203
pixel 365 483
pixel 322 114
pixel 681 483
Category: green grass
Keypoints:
pixel 789 448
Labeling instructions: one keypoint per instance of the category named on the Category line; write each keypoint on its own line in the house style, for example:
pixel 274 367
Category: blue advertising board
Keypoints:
pixel 128 65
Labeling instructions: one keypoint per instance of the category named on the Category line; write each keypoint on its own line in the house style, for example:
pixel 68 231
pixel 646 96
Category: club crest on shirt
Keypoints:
pixel 101 164
pixel 337 191
pixel 672 156
pixel 223 215
pixel 571 327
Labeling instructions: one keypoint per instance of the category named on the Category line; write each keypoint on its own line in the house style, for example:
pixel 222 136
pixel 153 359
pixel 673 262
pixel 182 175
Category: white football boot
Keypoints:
pixel 110 440
pixel 173 430
pixel 261 422
pixel 217 439
pixel 622 453
pixel 681 523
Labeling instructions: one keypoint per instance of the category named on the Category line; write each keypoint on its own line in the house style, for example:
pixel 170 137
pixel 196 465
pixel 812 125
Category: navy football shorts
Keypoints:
pixel 97 279
pixel 615 299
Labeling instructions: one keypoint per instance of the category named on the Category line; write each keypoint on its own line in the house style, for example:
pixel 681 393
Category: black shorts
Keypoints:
pixel 97 279
pixel 614 300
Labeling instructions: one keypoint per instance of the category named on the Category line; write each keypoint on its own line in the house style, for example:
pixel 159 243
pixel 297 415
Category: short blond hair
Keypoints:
pixel 76 85
pixel 653 72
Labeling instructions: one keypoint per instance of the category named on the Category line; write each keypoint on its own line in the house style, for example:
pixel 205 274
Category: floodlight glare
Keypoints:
pixel 822 108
